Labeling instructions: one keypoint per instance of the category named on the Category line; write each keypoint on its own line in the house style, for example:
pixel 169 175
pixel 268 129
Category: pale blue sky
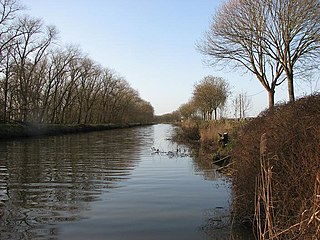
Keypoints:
pixel 149 42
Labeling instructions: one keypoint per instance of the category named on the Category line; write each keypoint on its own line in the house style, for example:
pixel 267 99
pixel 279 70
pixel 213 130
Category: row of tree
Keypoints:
pixel 276 40
pixel 209 101
pixel 43 82
pixel 209 95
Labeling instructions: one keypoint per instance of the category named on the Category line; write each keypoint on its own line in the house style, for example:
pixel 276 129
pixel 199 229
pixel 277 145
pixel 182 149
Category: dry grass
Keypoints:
pixel 209 132
pixel 277 192
pixel 205 134
pixel 190 130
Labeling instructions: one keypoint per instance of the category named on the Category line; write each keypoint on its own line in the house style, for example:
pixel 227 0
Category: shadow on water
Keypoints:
pixel 48 180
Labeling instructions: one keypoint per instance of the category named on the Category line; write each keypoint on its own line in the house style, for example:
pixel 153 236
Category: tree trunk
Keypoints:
pixel 5 99
pixel 271 99
pixel 290 86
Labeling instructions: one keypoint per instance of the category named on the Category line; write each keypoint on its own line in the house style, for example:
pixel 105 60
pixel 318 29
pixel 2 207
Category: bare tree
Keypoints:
pixel 121 97
pixel 108 85
pixel 242 105
pixel 56 78
pixel 236 37
pixel 40 83
pixel 188 110
pixel 143 112
pixel 292 36
pixel 29 50
pixel 267 37
pixel 210 94
pixel 8 30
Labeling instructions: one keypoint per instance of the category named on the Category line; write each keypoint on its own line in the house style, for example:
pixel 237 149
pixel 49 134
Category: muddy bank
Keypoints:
pixel 9 131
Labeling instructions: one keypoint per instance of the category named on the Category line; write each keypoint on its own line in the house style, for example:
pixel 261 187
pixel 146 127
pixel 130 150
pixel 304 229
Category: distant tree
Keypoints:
pixel 188 110
pixel 45 83
pixel 169 117
pixel 140 111
pixel 242 105
pixel 210 94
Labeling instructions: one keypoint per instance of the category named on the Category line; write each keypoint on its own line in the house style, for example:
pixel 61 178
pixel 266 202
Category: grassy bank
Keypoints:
pixel 276 180
pixel 8 131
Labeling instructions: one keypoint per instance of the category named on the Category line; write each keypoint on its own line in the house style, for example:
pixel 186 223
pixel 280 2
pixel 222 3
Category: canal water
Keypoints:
pixel 119 184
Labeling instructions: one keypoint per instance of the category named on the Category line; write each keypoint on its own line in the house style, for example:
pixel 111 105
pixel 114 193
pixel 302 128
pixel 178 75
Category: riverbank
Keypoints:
pixel 9 131
pixel 210 137
pixel 276 172
pixel 274 167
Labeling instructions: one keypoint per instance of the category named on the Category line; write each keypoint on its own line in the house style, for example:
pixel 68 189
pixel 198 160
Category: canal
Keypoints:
pixel 110 185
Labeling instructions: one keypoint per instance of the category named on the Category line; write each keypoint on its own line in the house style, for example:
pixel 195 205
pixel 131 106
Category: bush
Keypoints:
pixel 190 130
pixel 293 152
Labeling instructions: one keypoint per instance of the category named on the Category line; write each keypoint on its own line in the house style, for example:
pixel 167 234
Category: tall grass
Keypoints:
pixel 205 136
pixel 276 185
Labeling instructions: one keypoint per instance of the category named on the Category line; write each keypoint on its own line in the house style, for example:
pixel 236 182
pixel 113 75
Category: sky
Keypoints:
pixel 151 43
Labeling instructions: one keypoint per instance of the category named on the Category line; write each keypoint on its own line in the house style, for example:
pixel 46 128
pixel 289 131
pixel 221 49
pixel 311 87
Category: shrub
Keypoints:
pixel 293 153
pixel 190 130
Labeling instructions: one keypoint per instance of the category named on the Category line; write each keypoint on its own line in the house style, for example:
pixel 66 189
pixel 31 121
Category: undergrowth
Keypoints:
pixel 278 190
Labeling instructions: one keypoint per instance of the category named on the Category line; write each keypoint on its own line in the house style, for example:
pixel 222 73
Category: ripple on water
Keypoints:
pixel 104 185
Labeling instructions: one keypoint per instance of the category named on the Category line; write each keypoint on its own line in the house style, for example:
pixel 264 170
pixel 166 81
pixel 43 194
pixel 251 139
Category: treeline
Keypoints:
pixel 209 95
pixel 45 83
pixel 209 102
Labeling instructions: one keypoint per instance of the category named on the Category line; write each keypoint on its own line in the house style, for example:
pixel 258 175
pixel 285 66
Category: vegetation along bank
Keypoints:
pixel 276 171
pixel 44 81
pixel 274 165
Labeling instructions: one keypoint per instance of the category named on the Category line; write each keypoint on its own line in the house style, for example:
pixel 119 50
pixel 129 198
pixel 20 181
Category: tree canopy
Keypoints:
pixel 45 82
pixel 268 38
pixel 210 94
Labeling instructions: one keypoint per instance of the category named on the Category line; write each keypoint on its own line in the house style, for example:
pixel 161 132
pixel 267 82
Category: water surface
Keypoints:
pixel 109 185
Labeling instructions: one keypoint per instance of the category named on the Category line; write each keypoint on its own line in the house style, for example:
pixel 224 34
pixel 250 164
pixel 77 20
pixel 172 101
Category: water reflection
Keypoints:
pixel 110 185
pixel 49 180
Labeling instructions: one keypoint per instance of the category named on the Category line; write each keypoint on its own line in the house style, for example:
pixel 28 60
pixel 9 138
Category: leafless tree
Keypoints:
pixel 108 87
pixel 267 37
pixel 188 110
pixel 292 36
pixel 142 112
pixel 29 50
pixel 44 83
pixel 209 95
pixel 8 30
pixel 56 76
pixel 236 37
pixel 242 105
